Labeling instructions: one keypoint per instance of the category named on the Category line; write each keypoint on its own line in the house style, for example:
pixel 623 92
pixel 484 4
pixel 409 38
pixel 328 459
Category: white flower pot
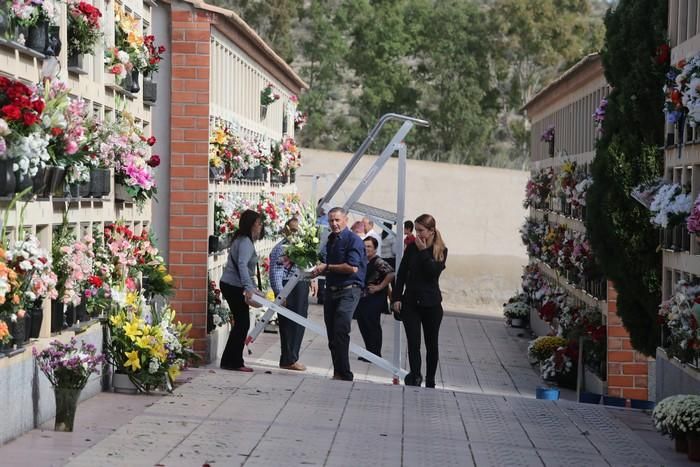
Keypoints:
pixel 516 322
pixel 122 384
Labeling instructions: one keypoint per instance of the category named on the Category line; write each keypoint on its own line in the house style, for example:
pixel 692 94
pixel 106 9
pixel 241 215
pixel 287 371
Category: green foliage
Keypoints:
pixel 623 239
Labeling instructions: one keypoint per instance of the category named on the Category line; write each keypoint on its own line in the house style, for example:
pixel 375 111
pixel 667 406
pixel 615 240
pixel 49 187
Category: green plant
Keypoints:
pixel 622 238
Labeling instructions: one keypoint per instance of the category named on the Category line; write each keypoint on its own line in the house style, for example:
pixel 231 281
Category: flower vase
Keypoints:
pixel 7 178
pixel 22 181
pixel 17 329
pixel 38 36
pixel 121 194
pixel 150 90
pixel 516 322
pixel 4 22
pixel 263 112
pixel 53 42
pixel 134 82
pixel 106 181
pixel 20 34
pixel 57 316
pixel 75 61
pixel 66 405
pixel 41 180
pixel 58 176
pixel 258 173
pixel 681 443
pixel 37 314
pixel 125 82
pixel 292 176
pixel 122 384
pixel 551 148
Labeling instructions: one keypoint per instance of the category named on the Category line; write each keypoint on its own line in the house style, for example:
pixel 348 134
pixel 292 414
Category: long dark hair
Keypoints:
pixel 245 224
pixel 428 221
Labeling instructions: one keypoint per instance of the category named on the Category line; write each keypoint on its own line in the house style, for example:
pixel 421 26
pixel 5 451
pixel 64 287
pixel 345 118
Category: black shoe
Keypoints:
pixel 413 380
pixel 429 384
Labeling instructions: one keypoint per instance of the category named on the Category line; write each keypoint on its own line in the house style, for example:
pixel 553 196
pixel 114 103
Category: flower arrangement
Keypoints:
pixel 543 347
pixel 693 221
pixel 218 314
pixel 673 102
pixel 680 315
pixel 226 150
pixel 148 346
pixel 151 266
pixel 561 363
pixel 128 37
pixel 687 77
pixel 268 209
pixel 84 29
pixel 291 154
pixel 73 263
pixel 548 135
pixel 35 276
pixel 268 95
pixel 670 206
pixel 599 115
pixel 5 336
pixel 118 62
pixel 154 55
pixel 517 307
pixel 538 188
pixel 28 13
pixel 67 365
pixel 300 119
pixel 303 246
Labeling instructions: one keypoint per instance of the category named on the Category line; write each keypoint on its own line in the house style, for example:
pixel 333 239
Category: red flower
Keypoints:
pixel 30 118
pixel 95 281
pixel 11 112
pixel 56 131
pixel 151 141
pixel 663 53
pixel 154 161
pixel 4 83
pixel 38 105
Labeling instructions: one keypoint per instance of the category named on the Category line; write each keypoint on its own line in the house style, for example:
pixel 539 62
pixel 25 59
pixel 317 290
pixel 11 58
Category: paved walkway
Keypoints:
pixel 485 415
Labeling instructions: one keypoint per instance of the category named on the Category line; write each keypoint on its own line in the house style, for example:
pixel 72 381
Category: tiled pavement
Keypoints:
pixel 485 415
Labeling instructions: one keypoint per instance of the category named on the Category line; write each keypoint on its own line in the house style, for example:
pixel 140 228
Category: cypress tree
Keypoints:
pixel 627 154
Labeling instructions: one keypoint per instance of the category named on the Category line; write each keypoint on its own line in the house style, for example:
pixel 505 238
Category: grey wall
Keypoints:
pixel 160 122
pixel 26 396
pixel 673 378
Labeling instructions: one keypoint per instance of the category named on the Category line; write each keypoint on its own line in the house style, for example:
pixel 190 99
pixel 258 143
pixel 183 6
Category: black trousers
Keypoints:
pixel 291 333
pixel 368 316
pixel 338 308
pixel 233 353
pixel 429 318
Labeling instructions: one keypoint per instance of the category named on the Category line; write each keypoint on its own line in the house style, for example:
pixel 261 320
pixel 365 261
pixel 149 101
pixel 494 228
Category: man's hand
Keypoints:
pixel 318 270
pixel 314 288
pixel 373 289
pixel 396 306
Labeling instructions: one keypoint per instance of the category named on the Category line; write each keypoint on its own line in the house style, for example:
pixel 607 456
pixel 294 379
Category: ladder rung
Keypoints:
pixel 371 211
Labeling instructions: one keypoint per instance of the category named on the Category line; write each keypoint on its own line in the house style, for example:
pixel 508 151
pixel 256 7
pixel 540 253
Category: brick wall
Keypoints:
pixel 627 369
pixel 189 179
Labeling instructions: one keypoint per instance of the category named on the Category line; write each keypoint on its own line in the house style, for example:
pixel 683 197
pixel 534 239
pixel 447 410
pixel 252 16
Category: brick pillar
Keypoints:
pixel 189 178
pixel 627 368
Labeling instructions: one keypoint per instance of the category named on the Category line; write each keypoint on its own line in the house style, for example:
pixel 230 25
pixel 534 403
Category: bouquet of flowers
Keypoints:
pixel 531 233
pixel 670 206
pixel 217 313
pixel 5 336
pixel 677 415
pixel 686 82
pixel 73 262
pixel 67 365
pixel 300 119
pixel 128 37
pixel 272 221
pixel 154 55
pixel 84 29
pixel 680 315
pixel 268 95
pixel 290 153
pixel 118 62
pixel 599 115
pixel 151 266
pixel 561 363
pixel 133 164
pixel 538 188
pixel 548 135
pixel 693 221
pixel 303 246
pixel 28 13
pixel 34 271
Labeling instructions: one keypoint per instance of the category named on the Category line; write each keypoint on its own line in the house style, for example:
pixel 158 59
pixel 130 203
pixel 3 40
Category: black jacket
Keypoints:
pixel 417 281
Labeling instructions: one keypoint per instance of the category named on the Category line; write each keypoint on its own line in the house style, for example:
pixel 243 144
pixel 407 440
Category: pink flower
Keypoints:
pixel 71 147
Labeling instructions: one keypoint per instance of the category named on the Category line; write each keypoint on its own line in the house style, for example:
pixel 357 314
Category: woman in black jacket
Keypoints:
pixel 418 299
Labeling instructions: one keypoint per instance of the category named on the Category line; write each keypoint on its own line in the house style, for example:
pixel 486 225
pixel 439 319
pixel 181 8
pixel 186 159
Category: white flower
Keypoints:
pixel 123 57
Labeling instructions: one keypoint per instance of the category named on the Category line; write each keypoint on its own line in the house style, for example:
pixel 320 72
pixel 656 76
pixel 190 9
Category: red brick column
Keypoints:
pixel 627 368
pixel 189 179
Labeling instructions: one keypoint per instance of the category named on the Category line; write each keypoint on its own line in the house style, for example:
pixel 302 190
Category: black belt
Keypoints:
pixel 334 288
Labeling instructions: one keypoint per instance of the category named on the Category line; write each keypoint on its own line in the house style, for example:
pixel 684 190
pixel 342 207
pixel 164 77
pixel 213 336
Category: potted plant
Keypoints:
pixel 517 311
pixel 679 417
pixel 84 31
pixel 68 368
pixel 33 20
pixel 548 137
pixel 543 347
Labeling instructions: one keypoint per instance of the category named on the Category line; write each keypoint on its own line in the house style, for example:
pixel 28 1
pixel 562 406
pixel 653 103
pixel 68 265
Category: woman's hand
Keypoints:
pixel 420 244
pixel 396 307
pixel 373 289
pixel 248 294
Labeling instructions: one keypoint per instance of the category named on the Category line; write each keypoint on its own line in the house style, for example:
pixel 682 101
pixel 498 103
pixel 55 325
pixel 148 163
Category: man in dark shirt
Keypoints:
pixel 345 267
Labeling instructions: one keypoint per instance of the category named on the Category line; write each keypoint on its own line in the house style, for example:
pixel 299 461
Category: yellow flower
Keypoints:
pixel 135 39
pixel 270 295
pixel 173 372
pixel 168 279
pixel 220 136
pixel 117 320
pixel 161 268
pixel 144 342
pixel 159 352
pixel 132 330
pixel 132 360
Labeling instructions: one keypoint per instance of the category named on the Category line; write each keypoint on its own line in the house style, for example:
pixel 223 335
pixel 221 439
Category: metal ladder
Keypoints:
pixel 352 204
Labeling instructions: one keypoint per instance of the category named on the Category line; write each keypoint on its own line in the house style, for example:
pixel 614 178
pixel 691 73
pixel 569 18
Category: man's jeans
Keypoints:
pixel 338 308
